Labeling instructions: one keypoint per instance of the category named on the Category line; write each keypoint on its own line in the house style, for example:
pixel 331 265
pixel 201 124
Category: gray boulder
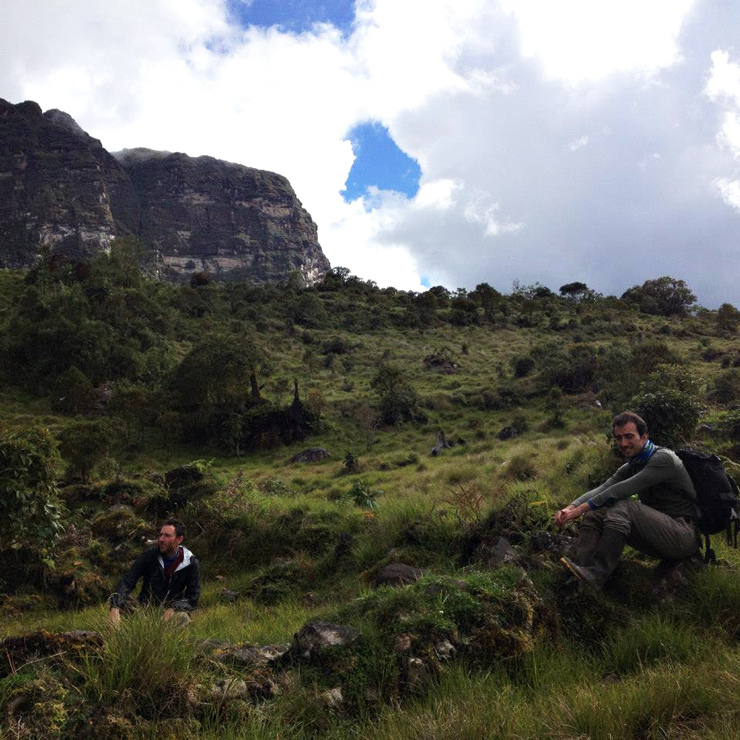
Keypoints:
pixel 315 637
pixel 397 574
pixel 312 454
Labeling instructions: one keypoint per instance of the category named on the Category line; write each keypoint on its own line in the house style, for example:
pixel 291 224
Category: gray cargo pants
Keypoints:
pixel 647 530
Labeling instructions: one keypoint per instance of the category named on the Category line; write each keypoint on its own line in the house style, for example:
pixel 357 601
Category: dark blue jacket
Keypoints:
pixel 181 592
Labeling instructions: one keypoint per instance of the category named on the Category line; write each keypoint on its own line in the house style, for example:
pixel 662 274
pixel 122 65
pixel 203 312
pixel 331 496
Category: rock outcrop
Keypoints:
pixel 60 189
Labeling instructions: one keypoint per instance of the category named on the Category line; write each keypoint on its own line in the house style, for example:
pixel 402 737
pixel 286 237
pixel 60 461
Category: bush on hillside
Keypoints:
pixel 398 401
pixel 83 444
pixel 664 296
pixel 30 507
pixel 670 402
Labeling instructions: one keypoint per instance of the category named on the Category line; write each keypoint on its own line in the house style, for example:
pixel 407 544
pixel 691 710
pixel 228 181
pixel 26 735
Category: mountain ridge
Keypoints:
pixel 61 189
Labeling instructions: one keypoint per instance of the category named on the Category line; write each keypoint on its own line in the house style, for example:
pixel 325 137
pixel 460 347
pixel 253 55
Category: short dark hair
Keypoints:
pixel 629 416
pixel 177 524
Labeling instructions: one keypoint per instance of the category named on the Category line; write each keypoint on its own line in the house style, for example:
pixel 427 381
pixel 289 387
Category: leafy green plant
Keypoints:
pixel 670 403
pixel 398 399
pixel 83 444
pixel 30 507
pixel 361 495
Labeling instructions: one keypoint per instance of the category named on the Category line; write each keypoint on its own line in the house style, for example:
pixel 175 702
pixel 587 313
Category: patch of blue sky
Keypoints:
pixel 295 16
pixel 426 281
pixel 379 163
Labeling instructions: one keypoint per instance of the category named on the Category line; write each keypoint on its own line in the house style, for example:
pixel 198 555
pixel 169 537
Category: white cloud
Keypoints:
pixel 482 210
pixel 729 135
pixel 578 143
pixel 585 40
pixel 724 78
pixel 437 194
pixel 729 191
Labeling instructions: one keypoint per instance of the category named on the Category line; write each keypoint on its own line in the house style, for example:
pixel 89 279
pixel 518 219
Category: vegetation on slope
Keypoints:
pixel 128 400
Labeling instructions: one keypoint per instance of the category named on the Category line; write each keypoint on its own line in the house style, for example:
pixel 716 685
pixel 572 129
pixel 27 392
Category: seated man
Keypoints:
pixel 170 573
pixel 662 523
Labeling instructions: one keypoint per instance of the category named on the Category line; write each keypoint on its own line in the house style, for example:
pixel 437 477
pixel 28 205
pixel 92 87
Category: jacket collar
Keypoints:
pixel 187 556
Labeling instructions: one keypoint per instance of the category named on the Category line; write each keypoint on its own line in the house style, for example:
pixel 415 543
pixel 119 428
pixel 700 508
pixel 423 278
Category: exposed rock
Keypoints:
pixel 416 673
pixel 403 643
pixel 397 574
pixel 255 656
pixel 557 544
pixel 59 188
pixel 312 454
pixel 495 552
pixel 317 636
pixel 231 221
pixel 226 689
pixel 445 650
pixel 228 596
pixel 333 698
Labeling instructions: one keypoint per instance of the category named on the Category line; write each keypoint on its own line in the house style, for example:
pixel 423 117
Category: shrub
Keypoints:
pixel 398 399
pixel 727 386
pixel 669 403
pixel 30 508
pixel 83 444
pixel 572 371
pixel 521 467
pixel 730 425
pixel 522 366
pixel 665 296
pixel 728 317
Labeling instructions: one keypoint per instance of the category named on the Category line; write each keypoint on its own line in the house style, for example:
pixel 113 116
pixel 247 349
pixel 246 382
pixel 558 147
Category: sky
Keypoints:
pixel 434 142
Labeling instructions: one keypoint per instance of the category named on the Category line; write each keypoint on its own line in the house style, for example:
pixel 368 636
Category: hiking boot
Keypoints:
pixel 588 541
pixel 604 560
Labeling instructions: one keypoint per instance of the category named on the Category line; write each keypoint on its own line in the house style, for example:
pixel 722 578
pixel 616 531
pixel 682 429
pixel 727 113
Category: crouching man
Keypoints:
pixel 663 521
pixel 170 576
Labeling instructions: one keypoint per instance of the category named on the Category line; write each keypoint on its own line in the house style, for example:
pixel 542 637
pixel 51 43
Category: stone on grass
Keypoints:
pixel 228 596
pixel 251 655
pixel 497 552
pixel 332 698
pixel 397 574
pixel 316 637
pixel 312 454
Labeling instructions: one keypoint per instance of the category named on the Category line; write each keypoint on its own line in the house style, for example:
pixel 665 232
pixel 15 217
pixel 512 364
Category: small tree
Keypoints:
pixel 728 317
pixel 669 401
pixel 30 509
pixel 665 296
pixel 398 399
pixel 577 291
pixel 83 444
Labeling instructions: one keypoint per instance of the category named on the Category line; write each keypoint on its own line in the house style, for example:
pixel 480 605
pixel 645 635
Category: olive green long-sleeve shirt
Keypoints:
pixel 662 483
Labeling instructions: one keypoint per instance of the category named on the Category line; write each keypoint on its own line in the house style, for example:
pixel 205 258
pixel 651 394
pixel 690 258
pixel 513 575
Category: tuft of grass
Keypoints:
pixel 143 660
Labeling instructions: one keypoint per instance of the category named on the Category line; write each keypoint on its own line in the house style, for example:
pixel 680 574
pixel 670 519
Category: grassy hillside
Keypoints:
pixel 166 400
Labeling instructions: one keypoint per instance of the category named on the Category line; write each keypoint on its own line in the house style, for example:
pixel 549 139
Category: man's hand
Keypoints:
pixel 570 512
pixel 168 614
pixel 114 616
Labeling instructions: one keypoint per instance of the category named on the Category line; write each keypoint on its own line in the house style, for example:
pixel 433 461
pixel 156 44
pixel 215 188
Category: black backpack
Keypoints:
pixel 717 495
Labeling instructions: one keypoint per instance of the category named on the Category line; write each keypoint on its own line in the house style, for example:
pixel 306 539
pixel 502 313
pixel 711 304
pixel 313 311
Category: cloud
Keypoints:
pixel 578 143
pixel 557 141
pixel 729 191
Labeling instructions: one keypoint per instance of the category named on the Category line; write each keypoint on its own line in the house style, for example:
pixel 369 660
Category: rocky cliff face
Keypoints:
pixel 60 188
